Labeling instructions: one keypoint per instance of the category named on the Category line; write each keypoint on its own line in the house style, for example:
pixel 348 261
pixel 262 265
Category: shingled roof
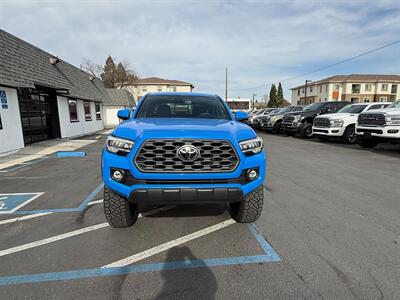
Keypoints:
pixel 370 78
pixel 120 97
pixel 24 65
pixel 157 80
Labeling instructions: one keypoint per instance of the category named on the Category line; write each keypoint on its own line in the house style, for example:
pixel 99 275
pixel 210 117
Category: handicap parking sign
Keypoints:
pixel 10 203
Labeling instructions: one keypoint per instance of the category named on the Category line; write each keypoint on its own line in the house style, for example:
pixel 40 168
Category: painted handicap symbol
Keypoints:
pixel 10 203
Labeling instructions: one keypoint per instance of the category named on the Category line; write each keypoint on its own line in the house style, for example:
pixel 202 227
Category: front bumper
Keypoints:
pixel 175 187
pixel 291 127
pixel 329 131
pixel 185 195
pixel 384 132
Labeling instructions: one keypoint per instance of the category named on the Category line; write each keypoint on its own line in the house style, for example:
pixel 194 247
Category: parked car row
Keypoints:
pixel 367 124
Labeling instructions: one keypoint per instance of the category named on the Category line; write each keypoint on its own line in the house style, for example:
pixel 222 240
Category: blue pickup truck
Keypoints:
pixel 182 148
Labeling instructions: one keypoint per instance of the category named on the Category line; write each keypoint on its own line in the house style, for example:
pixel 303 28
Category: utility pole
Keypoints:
pixel 252 101
pixel 226 84
pixel 305 95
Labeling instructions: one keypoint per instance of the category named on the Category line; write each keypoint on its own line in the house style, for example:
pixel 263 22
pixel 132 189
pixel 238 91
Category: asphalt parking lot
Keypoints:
pixel 330 229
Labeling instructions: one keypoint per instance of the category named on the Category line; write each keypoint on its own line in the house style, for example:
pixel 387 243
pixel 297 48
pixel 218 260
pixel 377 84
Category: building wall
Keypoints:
pixel 73 129
pixel 11 138
pixel 139 91
pixel 110 115
pixel 345 92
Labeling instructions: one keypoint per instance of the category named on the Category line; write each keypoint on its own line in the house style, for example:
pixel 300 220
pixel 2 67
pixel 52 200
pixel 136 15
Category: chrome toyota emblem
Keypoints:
pixel 188 153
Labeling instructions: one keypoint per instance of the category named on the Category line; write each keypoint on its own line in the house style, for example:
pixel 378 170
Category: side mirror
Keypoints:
pixel 241 116
pixel 124 114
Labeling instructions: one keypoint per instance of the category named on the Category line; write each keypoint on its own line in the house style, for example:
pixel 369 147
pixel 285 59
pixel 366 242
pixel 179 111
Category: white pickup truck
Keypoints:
pixel 342 123
pixel 379 126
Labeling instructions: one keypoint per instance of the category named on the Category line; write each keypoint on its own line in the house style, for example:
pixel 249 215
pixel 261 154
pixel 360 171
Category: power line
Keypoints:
pixel 340 62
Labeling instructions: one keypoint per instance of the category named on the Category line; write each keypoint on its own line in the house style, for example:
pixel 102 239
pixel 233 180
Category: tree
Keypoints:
pixel 109 75
pixel 273 97
pixel 90 67
pixel 125 76
pixel 279 96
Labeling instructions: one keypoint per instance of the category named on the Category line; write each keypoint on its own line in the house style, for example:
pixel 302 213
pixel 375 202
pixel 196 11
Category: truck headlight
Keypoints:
pixel 252 146
pixel 393 120
pixel 118 145
pixel 336 123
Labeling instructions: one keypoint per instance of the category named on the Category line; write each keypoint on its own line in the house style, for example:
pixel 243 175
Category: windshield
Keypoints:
pixel 353 109
pixel 314 106
pixel 395 104
pixel 260 112
pixel 182 106
pixel 286 109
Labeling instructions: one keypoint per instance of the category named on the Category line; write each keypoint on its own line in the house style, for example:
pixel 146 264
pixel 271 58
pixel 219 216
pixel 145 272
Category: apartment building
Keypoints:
pixel 155 84
pixel 354 88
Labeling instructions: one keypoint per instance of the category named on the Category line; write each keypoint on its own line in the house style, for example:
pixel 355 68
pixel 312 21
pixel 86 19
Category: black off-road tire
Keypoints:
pixel 368 143
pixel 118 211
pixel 349 136
pixel 277 128
pixel 249 209
pixel 306 131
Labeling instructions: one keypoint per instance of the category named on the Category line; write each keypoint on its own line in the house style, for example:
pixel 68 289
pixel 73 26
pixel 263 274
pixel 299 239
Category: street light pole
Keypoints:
pixel 252 101
pixel 305 95
pixel 226 84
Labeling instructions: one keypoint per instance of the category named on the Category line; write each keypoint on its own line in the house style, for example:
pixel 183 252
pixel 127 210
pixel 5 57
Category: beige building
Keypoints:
pixel 155 84
pixel 354 88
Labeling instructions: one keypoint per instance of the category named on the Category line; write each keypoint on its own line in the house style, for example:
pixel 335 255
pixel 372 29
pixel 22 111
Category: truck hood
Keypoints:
pixel 183 128
pixel 386 111
pixel 337 116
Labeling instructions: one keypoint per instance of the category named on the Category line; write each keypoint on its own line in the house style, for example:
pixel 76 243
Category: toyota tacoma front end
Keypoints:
pixel 182 148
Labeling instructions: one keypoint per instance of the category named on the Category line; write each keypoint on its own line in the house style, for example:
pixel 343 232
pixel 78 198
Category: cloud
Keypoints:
pixel 260 41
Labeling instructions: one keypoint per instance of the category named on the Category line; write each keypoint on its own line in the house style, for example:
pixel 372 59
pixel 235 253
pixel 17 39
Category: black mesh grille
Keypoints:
pixel 157 156
pixel 371 119
pixel 322 122
pixel 288 119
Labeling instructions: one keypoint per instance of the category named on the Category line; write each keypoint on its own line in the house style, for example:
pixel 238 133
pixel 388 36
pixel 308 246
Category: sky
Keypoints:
pixel 260 42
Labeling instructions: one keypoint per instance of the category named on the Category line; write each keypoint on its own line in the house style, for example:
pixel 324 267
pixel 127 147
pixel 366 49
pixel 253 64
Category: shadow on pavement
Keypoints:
pixel 191 211
pixel 196 283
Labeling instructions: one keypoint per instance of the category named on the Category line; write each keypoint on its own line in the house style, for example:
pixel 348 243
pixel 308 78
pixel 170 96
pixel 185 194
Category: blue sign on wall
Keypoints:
pixel 10 203
pixel 3 99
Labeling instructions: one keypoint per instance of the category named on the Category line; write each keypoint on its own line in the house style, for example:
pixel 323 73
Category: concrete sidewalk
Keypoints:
pixel 46 148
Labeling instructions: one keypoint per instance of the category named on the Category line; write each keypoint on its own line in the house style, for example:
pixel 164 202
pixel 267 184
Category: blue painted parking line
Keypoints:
pixel 70 154
pixel 80 208
pixel 270 256
pixel 9 203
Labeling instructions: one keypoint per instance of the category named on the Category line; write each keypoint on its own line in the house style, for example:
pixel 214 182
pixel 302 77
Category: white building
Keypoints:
pixel 354 88
pixel 43 97
pixel 119 99
pixel 155 84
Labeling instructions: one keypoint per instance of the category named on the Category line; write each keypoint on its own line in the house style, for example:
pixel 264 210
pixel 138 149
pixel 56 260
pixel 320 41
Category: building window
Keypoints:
pixel 159 88
pixel 144 88
pixel 86 107
pixel 302 91
pixel 173 88
pixel 367 99
pixel 335 87
pixel 382 99
pixel 355 88
pixel 298 92
pixel 368 87
pixel 311 89
pixel 320 89
pixel 326 88
pixel 98 111
pixel 384 86
pixel 73 111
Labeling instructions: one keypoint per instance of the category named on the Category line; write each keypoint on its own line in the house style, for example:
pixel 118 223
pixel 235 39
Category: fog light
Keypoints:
pixel 252 174
pixel 118 175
